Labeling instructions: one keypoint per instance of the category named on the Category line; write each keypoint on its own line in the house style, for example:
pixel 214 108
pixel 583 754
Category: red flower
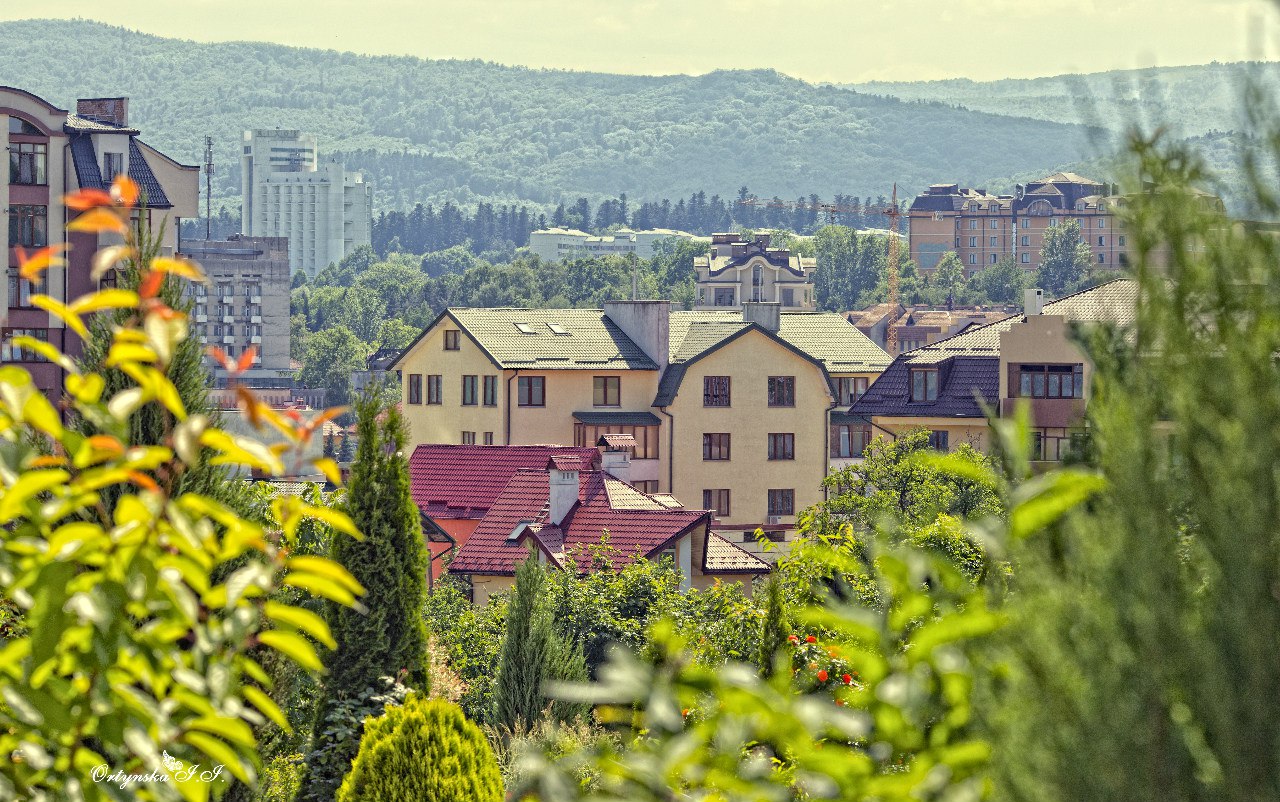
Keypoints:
pixel 848 680
pixel 810 639
pixel 822 675
pixel 793 638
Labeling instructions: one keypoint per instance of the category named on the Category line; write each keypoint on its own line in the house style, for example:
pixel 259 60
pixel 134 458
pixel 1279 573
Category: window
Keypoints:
pixel 782 391
pixel 112 165
pixel 973 258
pixel 649 486
pixel 924 384
pixel 1102 241
pixel 488 438
pixel 724 296
pixel 607 391
pixel 1053 221
pixel 973 242
pixel 29 226
pixel 995 224
pixel 938 441
pixel 1120 241
pixel 12 353
pixel 788 297
pixel 850 389
pixel 434 393
pixel 849 441
pixel 994 257
pixel 1102 223
pixel 1102 258
pixel 1026 241
pixel 531 391
pixel 468 438
pixel 1026 222
pixel 19 290
pixel 715 391
pixel 993 241
pixel 757 276
pixel 470 385
pixel 1026 258
pixel 782 502
pixel 17 125
pixel 490 391
pixel 451 339
pixel 647 440
pixel 525 328
pixel 782 446
pixel 28 162
pixel 1051 381
pixel 715 447
pixel 973 224
pixel 415 388
pixel 717 501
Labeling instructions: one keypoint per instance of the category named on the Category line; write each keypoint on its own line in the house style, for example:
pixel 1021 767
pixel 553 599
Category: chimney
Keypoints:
pixel 616 459
pixel 646 323
pixel 110 110
pixel 564 488
pixel 765 314
pixel 1033 302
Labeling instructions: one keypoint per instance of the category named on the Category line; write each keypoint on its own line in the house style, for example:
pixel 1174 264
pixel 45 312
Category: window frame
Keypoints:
pixel 452 340
pixel 605 387
pixel 711 392
pixel 28 218
pixel 925 373
pixel 860 386
pixel 777 495
pixel 782 392
pixel 1029 387
pixel 414 390
pixel 842 445
pixel 717 447
pixel 490 391
pixel 470 390
pixel 531 391
pixel 712 497
pixel 435 389
pixel 782 446
pixel 940 440
pixel 37 157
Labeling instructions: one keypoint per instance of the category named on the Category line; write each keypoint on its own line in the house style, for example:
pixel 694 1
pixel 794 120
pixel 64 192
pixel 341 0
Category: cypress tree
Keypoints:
pixel 387 638
pixel 773 630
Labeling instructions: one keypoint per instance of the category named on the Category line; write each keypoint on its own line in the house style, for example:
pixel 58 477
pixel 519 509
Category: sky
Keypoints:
pixel 841 41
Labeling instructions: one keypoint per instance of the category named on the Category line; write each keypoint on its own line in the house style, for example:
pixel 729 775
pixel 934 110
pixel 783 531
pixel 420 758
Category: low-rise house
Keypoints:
pixel 566 507
pixel 948 386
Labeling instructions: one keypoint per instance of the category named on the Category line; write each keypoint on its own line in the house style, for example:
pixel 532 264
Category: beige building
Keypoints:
pixel 738 272
pixel 559 244
pixel 729 409
pixel 1031 358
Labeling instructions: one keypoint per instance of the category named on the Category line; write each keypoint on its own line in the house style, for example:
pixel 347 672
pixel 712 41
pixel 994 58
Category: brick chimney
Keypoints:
pixel 110 110
pixel 562 475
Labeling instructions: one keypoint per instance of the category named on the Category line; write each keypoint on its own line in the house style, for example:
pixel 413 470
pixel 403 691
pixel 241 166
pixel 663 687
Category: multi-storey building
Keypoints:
pixel 738 272
pixel 53 152
pixel 287 191
pixel 917 326
pixel 948 386
pixel 246 303
pixel 728 409
pixel 559 244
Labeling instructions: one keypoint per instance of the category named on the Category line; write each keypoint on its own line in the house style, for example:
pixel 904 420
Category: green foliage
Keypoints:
pixel 423 751
pixel 336 735
pixel 775 629
pixel 281 778
pixel 1002 282
pixel 470 638
pixel 328 358
pixel 948 274
pixel 1065 259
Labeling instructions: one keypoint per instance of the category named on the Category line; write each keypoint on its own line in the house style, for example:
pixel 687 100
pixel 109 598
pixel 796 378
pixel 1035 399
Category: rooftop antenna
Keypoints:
pixel 208 187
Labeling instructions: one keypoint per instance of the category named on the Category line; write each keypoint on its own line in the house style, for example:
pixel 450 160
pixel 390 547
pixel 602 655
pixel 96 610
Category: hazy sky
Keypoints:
pixel 819 40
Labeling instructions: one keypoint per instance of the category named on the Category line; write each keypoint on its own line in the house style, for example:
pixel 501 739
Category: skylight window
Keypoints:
pixel 556 328
pixel 525 328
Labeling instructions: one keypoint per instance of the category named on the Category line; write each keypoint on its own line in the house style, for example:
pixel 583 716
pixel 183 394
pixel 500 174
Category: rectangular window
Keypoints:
pixel 531 391
pixel 606 391
pixel 715 447
pixel 29 226
pixel 924 384
pixel 1102 223
pixel 1026 258
pixel 415 388
pixel 28 162
pixel 490 391
pixel 451 339
pixel 973 224
pixel 850 389
pixel 849 442
pixel 1102 241
pixel 1026 241
pixel 995 224
pixel 782 446
pixel 470 386
pixel 1120 242
pixel 649 486
pixel 646 437
pixel 788 297
pixel 12 353
pixel 994 258
pixel 715 391
pixel 1053 221
pixel 1026 222
pixel 434 382
pixel 724 296
pixel 973 242
pixel 782 391
pixel 488 438
pixel 973 258
pixel 782 502
pixel 717 501
pixel 112 165
pixel 1102 258
pixel 938 441
pixel 1051 381
pixel 468 438
pixel 994 241
pixel 19 290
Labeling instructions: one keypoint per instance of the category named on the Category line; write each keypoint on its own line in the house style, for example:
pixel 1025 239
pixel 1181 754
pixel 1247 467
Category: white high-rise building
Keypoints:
pixel 323 210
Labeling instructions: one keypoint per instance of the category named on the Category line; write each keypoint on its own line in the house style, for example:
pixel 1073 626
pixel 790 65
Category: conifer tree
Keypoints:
pixel 388 638
pixel 773 631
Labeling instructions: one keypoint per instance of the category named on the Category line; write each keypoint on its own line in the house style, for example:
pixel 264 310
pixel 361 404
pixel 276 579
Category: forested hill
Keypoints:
pixel 431 129
pixel 1192 100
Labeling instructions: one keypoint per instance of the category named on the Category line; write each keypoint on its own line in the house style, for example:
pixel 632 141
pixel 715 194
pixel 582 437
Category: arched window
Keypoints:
pixel 22 127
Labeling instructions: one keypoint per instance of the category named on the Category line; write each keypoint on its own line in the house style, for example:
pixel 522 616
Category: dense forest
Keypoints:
pixel 430 131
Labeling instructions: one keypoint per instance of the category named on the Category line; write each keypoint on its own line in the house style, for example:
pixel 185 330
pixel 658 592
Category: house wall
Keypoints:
pixel 970 431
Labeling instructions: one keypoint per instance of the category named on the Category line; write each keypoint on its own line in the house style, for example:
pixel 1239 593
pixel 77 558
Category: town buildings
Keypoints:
pixel 53 152
pixel 917 326
pixel 246 303
pixel 287 191
pixel 738 272
pixel 947 386
pixel 728 409
pixel 559 244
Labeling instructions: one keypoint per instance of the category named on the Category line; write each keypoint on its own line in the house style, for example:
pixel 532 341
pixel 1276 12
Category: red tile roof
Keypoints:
pixel 636 524
pixel 451 481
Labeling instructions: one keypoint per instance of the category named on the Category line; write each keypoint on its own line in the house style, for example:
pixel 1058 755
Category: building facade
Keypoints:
pixel 559 244
pixel 287 191
pixel 53 152
pixel 246 303
pixel 918 326
pixel 728 409
pixel 738 272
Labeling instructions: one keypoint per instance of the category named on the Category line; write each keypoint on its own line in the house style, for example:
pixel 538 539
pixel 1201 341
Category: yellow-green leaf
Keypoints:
pixel 294 646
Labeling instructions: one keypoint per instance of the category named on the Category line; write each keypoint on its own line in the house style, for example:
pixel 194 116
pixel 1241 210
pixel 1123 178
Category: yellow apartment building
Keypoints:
pixel 730 410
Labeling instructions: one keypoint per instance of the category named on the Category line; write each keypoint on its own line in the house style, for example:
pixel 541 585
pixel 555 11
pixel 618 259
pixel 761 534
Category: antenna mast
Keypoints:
pixel 208 187
pixel 893 213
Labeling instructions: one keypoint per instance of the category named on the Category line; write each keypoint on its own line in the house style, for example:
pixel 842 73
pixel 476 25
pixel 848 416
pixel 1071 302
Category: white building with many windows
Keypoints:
pixel 559 244
pixel 324 211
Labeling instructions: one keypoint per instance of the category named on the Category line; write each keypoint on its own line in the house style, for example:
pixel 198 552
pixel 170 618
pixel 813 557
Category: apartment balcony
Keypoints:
pixel 256 339
pixel 255 299
pixel 228 318
pixel 202 317
pixel 228 339
pixel 1062 412
pixel 255 318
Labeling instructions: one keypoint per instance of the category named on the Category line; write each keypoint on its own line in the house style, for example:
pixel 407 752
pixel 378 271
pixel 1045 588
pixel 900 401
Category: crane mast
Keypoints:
pixel 891 335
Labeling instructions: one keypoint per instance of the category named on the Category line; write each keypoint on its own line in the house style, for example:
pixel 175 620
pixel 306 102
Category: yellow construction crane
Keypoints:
pixel 893 213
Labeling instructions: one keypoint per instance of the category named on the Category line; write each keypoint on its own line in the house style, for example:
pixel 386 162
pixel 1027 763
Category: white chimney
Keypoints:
pixel 617 464
pixel 564 493
pixel 765 314
pixel 1033 302
pixel 646 323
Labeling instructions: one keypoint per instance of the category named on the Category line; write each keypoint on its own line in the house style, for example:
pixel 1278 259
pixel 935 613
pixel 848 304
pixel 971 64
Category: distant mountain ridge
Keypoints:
pixel 430 130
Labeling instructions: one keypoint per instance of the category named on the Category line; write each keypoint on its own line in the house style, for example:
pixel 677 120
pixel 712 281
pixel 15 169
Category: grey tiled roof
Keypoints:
pixel 969 362
pixel 617 418
pixel 89 174
pixel 591 341
pixel 140 171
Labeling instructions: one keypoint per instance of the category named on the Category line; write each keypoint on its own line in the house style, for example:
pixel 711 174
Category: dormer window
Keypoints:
pixel 924 384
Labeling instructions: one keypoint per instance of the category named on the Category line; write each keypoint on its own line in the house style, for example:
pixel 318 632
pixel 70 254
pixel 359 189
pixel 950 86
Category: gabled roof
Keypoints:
pixel 453 481
pixel 969 362
pixel 89 175
pixel 723 557
pixel 636 524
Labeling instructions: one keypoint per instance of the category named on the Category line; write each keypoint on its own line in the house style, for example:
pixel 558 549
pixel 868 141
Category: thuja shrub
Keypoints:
pixel 134 629
pixel 423 751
